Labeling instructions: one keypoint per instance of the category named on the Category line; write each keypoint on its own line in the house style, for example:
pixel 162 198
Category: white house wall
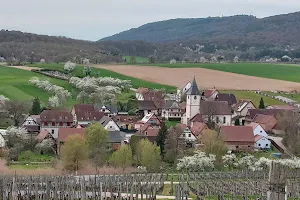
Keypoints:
pixel 221 120
pixel 245 110
pixel 29 121
pixel 263 143
pixel 50 129
pixel 258 130
pixel 2 142
pixel 188 136
pixel 111 126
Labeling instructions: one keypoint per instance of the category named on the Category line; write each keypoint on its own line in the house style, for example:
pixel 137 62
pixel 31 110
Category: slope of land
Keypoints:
pixel 206 78
pixel 280 29
pixel 14 85
pixel 274 71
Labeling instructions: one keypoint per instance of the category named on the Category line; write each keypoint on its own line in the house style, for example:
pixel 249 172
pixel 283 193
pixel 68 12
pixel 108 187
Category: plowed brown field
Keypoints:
pixel 205 78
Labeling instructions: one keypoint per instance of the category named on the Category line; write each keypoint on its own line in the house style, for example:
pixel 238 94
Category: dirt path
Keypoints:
pixel 24 67
pixel 206 78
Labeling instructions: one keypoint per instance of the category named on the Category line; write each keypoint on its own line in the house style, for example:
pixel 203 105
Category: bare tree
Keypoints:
pixel 16 109
pixel 174 144
pixel 290 123
pixel 210 116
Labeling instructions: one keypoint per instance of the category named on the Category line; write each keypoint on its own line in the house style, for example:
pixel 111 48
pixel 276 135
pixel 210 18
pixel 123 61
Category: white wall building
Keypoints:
pixel 262 142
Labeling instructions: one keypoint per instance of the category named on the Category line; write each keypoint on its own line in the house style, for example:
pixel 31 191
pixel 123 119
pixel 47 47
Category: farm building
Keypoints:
pixel 210 95
pixel 150 119
pixel 187 134
pixel 84 114
pixel 238 138
pixel 258 129
pixel 268 122
pixel 262 142
pixel 229 98
pixel 109 124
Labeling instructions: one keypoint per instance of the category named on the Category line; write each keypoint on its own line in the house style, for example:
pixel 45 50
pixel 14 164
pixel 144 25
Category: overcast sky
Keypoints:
pixel 94 19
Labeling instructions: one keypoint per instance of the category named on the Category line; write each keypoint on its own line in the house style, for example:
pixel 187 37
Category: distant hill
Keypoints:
pixel 279 29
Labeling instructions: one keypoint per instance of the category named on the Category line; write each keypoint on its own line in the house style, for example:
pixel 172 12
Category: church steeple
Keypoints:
pixel 193 89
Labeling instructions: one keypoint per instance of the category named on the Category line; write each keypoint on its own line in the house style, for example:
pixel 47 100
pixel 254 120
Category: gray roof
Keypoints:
pixel 147 105
pixel 194 90
pixel 172 104
pixel 230 98
pixel 215 108
pixel 104 120
pixel 116 136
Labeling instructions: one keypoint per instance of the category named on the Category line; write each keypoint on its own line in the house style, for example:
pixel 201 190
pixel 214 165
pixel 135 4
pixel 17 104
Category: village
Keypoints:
pixel 190 115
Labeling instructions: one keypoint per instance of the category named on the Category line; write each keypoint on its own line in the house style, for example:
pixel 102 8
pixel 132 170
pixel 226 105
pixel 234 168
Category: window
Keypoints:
pixel 110 126
pixel 52 131
pixel 190 135
pixel 183 135
pixel 188 97
pixel 195 97
pixel 146 133
pixel 29 122
pixel 217 120
pixel 45 123
pixel 237 147
pixel 224 120
pixel 260 131
pixel 53 123
pixel 60 124
pixel 267 145
pixel 259 145
pixel 68 123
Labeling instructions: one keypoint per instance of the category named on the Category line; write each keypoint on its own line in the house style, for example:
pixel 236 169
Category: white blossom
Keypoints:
pixel 229 160
pixel 53 102
pixel 173 61
pixel 202 60
pixel 69 66
pixel 17 131
pixel 236 59
pixel 198 162
pixel 247 162
pixel 214 59
pixel 42 60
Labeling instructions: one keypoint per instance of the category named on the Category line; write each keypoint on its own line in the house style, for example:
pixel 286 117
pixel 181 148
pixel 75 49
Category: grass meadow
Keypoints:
pixel 255 98
pixel 14 85
pixel 273 71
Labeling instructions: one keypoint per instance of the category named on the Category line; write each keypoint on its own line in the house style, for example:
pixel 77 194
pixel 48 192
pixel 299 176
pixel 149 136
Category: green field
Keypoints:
pixel 273 71
pixel 14 85
pixel 136 83
pixel 255 98
pixel 138 59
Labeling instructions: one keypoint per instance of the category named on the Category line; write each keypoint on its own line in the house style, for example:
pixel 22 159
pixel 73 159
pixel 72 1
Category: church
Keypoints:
pixel 217 112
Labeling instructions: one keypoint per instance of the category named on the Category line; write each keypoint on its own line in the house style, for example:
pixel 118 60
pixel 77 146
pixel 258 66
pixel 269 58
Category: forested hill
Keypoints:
pixel 279 29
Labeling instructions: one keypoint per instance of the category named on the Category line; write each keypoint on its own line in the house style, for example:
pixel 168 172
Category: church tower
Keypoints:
pixel 193 98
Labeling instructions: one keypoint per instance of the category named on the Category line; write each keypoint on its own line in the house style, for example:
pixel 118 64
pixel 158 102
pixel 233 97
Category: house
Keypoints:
pixel 150 95
pixel 109 124
pixel 139 92
pixel 187 134
pixel 184 90
pixel 32 123
pixel 172 111
pixel 147 107
pixel 149 132
pixel 43 135
pixel 258 129
pixel 268 122
pixel 52 120
pixel 238 138
pixel 262 142
pixel 198 127
pixel 116 139
pixel 126 122
pixel 217 111
pixel 84 114
pixel 273 112
pixel 210 95
pixel 108 110
pixel 150 119
pixel 229 98
pixel 241 108
pixel 64 133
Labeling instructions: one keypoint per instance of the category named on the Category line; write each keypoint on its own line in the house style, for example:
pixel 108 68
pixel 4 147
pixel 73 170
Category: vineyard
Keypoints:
pixel 277 184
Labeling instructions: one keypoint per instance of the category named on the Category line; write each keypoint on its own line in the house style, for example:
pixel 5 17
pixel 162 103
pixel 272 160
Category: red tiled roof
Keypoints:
pixel 237 133
pixel 197 128
pixel 63 133
pixel 42 135
pixel 268 122
pixel 125 118
pixel 141 90
pixel 56 116
pixel 149 130
pixel 197 118
pixel 258 137
pixel 273 112
pixel 151 95
pixel 208 93
pixel 89 115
